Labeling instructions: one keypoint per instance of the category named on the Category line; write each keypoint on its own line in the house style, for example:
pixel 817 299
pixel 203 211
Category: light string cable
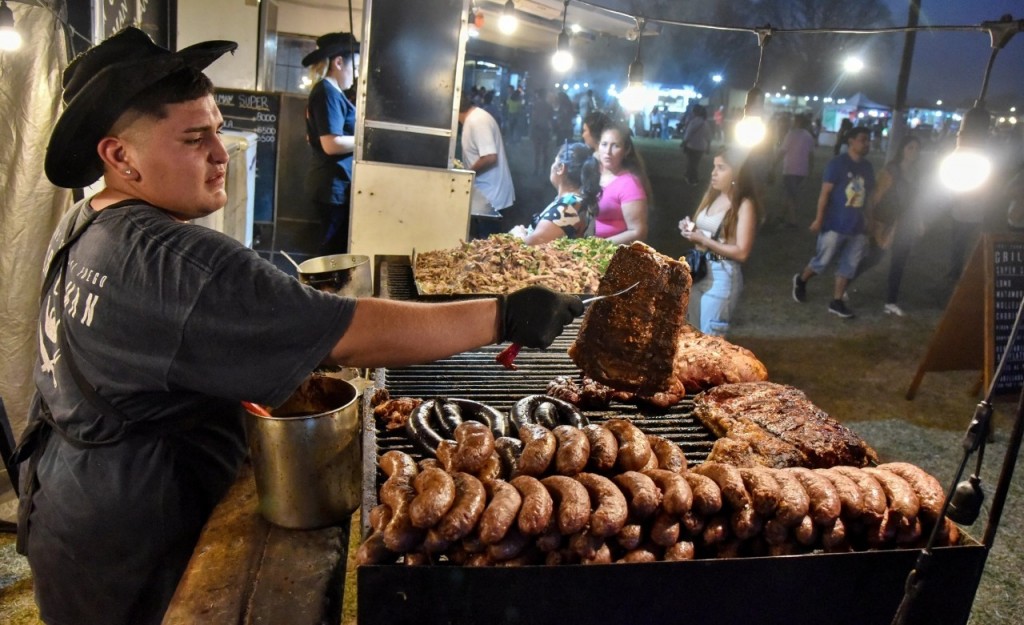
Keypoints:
pixel 48 5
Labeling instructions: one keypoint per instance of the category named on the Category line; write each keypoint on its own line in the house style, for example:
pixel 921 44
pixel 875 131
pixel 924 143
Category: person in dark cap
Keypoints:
pixel 330 131
pixel 152 330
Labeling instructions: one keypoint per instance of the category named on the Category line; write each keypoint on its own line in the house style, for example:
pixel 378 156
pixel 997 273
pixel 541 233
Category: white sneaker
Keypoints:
pixel 893 309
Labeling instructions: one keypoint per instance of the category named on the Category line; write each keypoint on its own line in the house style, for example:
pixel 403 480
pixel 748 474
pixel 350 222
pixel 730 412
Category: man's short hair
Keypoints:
pixel 856 131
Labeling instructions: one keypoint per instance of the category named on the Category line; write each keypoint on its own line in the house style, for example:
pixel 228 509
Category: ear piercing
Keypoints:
pixel 128 171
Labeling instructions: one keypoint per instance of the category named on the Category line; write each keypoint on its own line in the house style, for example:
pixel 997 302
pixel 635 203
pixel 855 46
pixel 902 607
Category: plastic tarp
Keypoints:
pixel 30 206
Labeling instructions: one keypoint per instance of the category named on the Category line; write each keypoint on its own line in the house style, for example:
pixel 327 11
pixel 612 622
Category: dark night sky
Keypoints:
pixel 951 65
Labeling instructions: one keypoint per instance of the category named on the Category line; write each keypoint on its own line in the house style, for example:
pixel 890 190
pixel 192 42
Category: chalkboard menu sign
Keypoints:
pixel 1008 291
pixel 257 112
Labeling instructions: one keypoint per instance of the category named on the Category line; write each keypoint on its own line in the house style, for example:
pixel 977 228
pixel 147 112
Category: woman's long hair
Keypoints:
pixel 632 161
pixel 582 171
pixel 744 187
pixel 897 158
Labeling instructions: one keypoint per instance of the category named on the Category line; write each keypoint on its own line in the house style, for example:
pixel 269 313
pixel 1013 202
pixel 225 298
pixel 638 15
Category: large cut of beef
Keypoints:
pixel 629 342
pixel 774 425
pixel 639 342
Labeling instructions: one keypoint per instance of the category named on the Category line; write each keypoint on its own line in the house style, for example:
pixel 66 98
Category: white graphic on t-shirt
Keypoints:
pixel 855 192
pixel 50 332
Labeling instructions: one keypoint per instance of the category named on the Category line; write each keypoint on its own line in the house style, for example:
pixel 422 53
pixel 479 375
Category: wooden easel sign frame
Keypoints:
pixel 973 330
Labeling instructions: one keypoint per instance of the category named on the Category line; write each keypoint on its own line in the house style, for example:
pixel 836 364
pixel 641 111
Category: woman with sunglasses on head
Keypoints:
pixel 725 226
pixel 575 175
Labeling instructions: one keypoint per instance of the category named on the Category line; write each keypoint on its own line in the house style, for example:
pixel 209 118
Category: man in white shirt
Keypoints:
pixel 484 152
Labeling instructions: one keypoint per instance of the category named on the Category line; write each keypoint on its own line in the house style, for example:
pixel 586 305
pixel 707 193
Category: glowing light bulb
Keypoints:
pixel 750 130
pixel 632 97
pixel 508 22
pixel 562 61
pixel 965 170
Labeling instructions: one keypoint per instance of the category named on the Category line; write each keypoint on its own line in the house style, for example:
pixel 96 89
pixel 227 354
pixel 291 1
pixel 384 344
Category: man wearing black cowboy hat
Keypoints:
pixel 330 131
pixel 152 330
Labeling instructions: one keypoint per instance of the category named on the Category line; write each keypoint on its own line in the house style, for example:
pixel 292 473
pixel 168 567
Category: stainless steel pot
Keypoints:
pixel 341 274
pixel 306 455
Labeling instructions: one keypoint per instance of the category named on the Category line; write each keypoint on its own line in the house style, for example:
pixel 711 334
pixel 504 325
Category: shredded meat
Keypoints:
pixel 395 412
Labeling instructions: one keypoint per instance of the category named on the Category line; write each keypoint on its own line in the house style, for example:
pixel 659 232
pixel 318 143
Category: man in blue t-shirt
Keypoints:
pixel 844 212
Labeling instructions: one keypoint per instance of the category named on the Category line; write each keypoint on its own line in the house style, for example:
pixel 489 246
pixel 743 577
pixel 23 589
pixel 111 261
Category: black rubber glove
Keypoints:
pixel 536 315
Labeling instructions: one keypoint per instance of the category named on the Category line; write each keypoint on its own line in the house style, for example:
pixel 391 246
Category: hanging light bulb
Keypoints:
pixel 10 39
pixel 632 98
pixel 562 59
pixel 751 130
pixel 508 22
pixel 968 166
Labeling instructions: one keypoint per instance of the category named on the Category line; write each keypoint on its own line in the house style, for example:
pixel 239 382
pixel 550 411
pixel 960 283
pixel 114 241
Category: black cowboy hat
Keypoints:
pixel 331 45
pixel 99 85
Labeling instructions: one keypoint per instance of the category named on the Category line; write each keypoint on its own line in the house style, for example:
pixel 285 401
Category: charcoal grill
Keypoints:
pixel 862 588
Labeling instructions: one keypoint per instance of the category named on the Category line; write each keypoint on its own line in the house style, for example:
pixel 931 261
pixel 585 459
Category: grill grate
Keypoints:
pixel 475 375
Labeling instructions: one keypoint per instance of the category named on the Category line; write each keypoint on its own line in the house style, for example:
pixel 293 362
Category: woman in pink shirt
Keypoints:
pixel 622 210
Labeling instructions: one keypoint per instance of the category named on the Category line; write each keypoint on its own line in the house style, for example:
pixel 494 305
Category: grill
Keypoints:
pixel 861 588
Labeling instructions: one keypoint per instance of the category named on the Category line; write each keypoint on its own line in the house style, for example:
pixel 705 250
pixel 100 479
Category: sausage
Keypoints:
pixel 416 559
pixel 536 508
pixel 427 463
pixel 448 416
pixel 550 539
pixel 585 545
pixel 763 488
pixel 745 523
pixel 642 494
pixel 572 501
pixel 435 494
pixel 527 557
pixel 471 543
pixel 948 534
pixel 522 411
pixel 793 500
pixel 558 557
pixel 707 497
pixel 833 539
pixel 433 542
pixel 419 429
pixel 676 494
pixel 603 447
pixel 775 532
pixel 400 535
pixel 640 554
pixel 926 487
pixel 665 529
pixel 373 551
pixel 495 420
pixel 849 494
pixel 902 500
pixel 692 523
pixel 508 450
pixel 573 450
pixel 500 514
pixel 538 450
pixel 729 481
pixel 379 516
pixel 603 555
pixel 634 450
pixel 610 507
pixel 682 550
pixel 884 534
pixel 909 531
pixel 461 518
pixel 670 456
pixel 716 530
pixel 474 445
pixel 629 536
pixel 825 504
pixel 546 414
pixel 478 560
pixel 397 462
pixel 728 549
pixel 445 453
pixel 872 494
pixel 492 470
pixel 510 546
pixel 806 532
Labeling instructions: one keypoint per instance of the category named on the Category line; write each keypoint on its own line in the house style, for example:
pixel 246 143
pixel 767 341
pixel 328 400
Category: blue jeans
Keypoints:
pixel 850 248
pixel 713 300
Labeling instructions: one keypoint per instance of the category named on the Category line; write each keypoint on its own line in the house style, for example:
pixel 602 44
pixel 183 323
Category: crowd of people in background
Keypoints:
pixel 860 218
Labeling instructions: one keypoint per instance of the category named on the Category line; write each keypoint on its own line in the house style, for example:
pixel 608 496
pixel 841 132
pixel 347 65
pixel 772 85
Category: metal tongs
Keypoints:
pixel 508 355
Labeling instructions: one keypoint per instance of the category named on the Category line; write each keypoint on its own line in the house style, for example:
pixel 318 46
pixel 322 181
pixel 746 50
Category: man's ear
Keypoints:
pixel 114 153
